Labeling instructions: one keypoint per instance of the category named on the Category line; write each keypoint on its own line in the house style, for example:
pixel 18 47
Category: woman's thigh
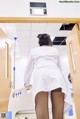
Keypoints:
pixel 57 99
pixel 41 105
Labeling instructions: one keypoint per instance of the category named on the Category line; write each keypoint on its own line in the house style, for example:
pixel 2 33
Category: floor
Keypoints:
pixel 33 116
pixel 29 116
pixel 68 115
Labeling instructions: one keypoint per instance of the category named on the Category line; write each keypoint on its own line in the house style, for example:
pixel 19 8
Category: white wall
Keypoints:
pixel 20 8
pixel 20 65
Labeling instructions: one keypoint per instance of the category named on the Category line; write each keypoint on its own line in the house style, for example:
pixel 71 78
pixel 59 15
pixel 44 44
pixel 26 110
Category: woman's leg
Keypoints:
pixel 57 99
pixel 41 105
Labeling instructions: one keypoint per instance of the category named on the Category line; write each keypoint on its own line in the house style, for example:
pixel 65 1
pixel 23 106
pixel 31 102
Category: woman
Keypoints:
pixel 44 74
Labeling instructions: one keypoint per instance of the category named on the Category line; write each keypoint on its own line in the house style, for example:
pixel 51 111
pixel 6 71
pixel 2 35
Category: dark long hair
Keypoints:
pixel 44 39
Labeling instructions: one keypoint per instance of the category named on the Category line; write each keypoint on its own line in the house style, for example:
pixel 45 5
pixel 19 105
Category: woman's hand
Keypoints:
pixel 28 87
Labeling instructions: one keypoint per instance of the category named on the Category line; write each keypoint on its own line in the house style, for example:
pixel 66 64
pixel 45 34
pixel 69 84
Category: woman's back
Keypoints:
pixel 45 56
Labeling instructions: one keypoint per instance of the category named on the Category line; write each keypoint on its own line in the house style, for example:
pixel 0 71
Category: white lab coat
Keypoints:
pixel 44 73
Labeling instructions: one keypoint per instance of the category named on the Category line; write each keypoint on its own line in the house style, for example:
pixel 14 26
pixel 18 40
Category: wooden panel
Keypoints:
pixel 38 20
pixel 73 45
pixel 2 63
pixel 4 95
pixel 3 34
pixel 5 72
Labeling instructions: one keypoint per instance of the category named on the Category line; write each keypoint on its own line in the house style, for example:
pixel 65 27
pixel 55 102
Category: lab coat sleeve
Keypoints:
pixel 28 71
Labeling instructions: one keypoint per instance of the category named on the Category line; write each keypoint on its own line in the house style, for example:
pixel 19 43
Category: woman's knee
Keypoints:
pixel 40 113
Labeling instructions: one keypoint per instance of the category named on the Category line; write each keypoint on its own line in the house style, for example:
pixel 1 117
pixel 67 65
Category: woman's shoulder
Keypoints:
pixel 54 48
pixel 36 49
pixel 44 49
